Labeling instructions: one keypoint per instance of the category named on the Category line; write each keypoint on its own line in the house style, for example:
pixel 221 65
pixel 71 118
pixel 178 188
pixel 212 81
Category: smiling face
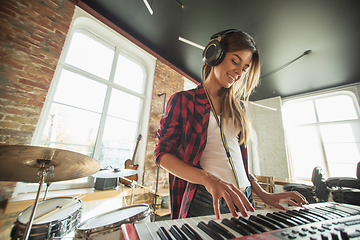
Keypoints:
pixel 230 70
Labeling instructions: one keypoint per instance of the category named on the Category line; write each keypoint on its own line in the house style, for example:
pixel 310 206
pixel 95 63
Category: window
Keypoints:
pixel 98 101
pixel 323 131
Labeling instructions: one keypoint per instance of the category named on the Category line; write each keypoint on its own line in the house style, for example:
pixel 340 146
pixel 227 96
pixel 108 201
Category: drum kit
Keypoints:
pixel 56 217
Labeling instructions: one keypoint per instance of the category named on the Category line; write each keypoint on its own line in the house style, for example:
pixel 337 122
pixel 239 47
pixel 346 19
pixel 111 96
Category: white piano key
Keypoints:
pixel 143 231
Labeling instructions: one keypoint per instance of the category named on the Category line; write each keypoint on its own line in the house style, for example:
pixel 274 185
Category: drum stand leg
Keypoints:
pixel 29 224
pixel 43 171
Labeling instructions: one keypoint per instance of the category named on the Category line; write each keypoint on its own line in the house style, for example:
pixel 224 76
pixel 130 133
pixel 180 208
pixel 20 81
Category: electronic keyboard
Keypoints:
pixel 330 220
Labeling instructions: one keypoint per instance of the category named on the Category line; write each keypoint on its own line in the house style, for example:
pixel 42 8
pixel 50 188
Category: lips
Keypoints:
pixel 231 77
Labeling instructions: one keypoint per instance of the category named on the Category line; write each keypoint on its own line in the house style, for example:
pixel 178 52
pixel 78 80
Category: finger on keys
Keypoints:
pixel 216 208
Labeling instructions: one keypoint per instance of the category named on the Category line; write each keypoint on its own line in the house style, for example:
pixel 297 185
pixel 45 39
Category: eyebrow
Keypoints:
pixel 241 59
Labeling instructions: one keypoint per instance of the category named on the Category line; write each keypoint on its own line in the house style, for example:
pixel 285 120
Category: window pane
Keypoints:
pixel 299 113
pixel 129 74
pixel 342 170
pixel 76 129
pixel 76 90
pixel 340 132
pixel 125 106
pixel 90 53
pixel 306 151
pixel 347 153
pixel 118 142
pixel 335 108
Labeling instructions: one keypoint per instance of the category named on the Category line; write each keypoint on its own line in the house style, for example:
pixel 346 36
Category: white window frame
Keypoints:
pixel 317 124
pixel 124 47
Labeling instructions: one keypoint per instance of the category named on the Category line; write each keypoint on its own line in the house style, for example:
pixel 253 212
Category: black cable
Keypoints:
pixel 285 65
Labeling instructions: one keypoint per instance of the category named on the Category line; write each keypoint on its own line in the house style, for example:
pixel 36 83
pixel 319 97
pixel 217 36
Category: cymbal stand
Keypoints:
pixel 43 171
pixel 47 190
pixel 132 185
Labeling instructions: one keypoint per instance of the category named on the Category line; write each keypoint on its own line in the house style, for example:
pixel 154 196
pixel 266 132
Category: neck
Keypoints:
pixel 212 88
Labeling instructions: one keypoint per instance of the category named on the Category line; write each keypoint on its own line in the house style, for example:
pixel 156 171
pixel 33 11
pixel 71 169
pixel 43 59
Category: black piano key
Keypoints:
pixel 235 227
pixel 177 233
pixel 286 221
pixel 304 215
pixel 319 218
pixel 245 225
pixel 297 219
pixel 163 234
pixel 254 224
pixel 264 222
pixel 320 212
pixel 327 217
pixel 280 224
pixel 223 231
pixel 190 232
pixel 342 212
pixel 214 235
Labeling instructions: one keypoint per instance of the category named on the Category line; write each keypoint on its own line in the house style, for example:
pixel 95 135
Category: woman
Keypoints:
pixel 200 134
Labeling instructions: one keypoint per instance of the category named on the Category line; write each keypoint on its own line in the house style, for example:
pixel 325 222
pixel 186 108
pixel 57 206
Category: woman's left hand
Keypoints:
pixel 274 199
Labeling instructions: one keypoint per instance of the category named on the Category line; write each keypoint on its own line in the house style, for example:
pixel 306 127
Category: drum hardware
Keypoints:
pixel 107 226
pixel 47 190
pixel 133 185
pixel 22 163
pixel 60 206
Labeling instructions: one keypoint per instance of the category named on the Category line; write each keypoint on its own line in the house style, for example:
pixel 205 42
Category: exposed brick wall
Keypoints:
pixel 31 39
pixel 32 34
pixel 168 81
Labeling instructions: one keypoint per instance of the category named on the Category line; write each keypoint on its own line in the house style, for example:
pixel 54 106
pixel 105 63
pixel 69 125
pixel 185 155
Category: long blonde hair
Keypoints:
pixel 242 89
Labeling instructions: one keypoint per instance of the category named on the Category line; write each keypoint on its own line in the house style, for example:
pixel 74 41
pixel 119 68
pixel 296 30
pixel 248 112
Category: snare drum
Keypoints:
pixel 54 217
pixel 107 226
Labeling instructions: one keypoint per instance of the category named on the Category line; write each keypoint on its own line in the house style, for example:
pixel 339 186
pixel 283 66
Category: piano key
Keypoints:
pixel 193 223
pixel 214 235
pixel 245 225
pixel 163 234
pixel 218 221
pixel 339 210
pixel 221 229
pixel 143 231
pixel 254 224
pixel 279 223
pixel 235 227
pixel 264 222
pixel 303 215
pixel 294 217
pixel 177 233
pixel 319 214
pixel 288 222
pixel 190 232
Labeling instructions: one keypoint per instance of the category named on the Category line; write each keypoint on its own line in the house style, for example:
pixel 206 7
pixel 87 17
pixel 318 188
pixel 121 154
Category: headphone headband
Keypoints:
pixel 215 51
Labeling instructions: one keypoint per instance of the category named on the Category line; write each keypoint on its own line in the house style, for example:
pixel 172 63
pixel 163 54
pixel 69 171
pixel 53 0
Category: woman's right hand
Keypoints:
pixel 232 195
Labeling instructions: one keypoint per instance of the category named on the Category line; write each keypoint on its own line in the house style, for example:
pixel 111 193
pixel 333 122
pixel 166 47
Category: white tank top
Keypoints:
pixel 214 159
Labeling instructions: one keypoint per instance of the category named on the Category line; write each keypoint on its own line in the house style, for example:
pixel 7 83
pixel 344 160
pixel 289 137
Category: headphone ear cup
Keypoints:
pixel 214 53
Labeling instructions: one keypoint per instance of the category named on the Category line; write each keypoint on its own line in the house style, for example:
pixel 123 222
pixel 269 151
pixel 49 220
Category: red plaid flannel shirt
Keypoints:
pixel 183 133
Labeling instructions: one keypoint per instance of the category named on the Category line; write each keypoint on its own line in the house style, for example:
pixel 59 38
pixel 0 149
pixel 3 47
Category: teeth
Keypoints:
pixel 232 78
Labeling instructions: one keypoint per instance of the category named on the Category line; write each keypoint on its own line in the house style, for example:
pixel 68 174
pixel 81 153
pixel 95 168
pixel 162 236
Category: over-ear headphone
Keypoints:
pixel 215 51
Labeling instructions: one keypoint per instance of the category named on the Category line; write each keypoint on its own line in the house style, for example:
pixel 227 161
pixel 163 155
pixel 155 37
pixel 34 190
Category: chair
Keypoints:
pixel 268 184
pixel 319 192
pixel 346 189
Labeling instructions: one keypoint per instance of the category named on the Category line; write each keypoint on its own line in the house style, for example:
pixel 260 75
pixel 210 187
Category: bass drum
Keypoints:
pixel 54 217
pixel 107 226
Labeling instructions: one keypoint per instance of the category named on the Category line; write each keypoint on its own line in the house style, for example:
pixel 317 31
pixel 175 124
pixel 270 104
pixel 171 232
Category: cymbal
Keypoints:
pixel 114 173
pixel 20 163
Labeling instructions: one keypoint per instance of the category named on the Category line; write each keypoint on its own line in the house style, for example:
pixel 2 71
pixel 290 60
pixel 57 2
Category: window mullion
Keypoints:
pixel 317 127
pixel 98 142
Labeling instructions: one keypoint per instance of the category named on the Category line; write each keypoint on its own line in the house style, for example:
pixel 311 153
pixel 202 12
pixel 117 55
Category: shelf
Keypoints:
pixel 162 212
pixel 22 201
